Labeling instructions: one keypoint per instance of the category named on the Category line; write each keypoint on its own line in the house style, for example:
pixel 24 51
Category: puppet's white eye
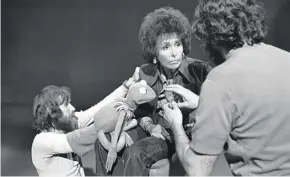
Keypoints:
pixel 142 90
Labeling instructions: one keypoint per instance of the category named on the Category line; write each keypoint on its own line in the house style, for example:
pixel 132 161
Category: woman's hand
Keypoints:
pixel 159 132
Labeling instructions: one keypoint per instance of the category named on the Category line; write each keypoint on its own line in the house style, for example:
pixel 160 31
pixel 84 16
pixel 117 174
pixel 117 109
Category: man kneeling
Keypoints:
pixel 55 121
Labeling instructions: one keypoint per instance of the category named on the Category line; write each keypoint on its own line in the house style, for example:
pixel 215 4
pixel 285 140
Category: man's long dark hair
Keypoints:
pixel 46 106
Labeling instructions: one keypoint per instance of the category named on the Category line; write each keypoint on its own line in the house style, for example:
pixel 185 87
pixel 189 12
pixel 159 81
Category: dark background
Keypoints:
pixel 90 46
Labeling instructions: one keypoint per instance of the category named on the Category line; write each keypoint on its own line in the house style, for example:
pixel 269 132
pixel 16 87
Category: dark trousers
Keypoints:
pixel 137 159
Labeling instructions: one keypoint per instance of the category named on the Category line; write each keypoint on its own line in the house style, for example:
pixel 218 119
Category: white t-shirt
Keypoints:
pixel 51 152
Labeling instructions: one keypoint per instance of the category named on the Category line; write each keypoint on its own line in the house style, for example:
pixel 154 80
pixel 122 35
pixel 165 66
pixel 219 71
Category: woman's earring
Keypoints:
pixel 154 61
pixel 183 55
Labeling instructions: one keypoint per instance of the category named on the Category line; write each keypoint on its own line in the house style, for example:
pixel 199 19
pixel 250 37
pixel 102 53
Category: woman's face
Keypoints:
pixel 169 50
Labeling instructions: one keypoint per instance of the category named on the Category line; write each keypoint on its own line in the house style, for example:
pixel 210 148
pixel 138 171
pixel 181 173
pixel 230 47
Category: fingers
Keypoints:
pixel 182 105
pixel 168 138
pixel 112 156
pixel 136 74
pixel 129 143
pixel 165 107
pixel 110 162
pixel 157 135
pixel 107 165
pixel 176 89
pixel 166 134
pixel 174 86
pixel 174 105
pixel 161 95
pixel 168 107
pixel 189 125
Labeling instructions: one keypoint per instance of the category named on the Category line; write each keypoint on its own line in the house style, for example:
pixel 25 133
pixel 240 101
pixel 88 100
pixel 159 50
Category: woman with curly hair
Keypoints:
pixel 165 38
pixel 245 97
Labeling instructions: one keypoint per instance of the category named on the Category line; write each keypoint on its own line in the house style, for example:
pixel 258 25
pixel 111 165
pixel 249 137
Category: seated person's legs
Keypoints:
pixel 101 154
pixel 139 157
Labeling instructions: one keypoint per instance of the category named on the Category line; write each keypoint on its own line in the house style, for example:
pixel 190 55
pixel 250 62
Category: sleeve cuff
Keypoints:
pixel 206 147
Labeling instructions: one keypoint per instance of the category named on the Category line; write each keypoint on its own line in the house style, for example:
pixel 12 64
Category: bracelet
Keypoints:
pixel 146 123
pixel 149 126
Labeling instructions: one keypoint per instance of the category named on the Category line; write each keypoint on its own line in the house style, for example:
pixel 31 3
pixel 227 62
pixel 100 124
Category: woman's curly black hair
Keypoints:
pixel 46 106
pixel 229 23
pixel 164 20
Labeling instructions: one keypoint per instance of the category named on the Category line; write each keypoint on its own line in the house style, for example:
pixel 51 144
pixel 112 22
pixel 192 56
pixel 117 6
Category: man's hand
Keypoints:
pixel 190 99
pixel 135 78
pixel 172 115
pixel 112 156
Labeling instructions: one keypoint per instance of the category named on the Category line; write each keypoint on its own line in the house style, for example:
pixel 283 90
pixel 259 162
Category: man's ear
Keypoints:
pixel 50 117
pixel 53 114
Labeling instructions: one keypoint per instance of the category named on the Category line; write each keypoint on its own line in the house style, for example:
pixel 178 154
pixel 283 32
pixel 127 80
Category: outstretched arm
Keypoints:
pixel 195 164
pixel 85 118
pixel 215 108
pixel 82 140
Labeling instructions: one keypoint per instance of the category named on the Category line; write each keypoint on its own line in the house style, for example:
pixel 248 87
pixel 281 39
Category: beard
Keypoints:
pixel 66 123
pixel 215 55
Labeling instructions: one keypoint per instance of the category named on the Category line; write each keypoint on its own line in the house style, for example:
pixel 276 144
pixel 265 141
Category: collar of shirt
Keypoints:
pixel 152 73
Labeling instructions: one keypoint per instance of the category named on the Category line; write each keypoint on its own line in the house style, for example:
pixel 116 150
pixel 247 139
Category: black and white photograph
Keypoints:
pixel 145 88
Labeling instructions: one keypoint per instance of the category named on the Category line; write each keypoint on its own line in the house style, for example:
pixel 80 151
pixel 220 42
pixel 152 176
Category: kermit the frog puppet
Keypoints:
pixel 117 117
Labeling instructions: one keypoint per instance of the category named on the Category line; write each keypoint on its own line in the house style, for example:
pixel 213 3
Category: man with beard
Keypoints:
pixel 243 107
pixel 56 121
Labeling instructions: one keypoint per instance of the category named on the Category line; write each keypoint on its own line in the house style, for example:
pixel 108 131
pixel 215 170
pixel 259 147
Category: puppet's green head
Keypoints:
pixel 140 93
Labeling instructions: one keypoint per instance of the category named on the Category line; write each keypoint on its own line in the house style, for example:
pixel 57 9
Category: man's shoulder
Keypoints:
pixel 44 138
pixel 217 73
pixel 225 76
pixel 39 142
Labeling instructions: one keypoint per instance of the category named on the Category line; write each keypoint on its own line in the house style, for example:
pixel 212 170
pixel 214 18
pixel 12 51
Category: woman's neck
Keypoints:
pixel 168 73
